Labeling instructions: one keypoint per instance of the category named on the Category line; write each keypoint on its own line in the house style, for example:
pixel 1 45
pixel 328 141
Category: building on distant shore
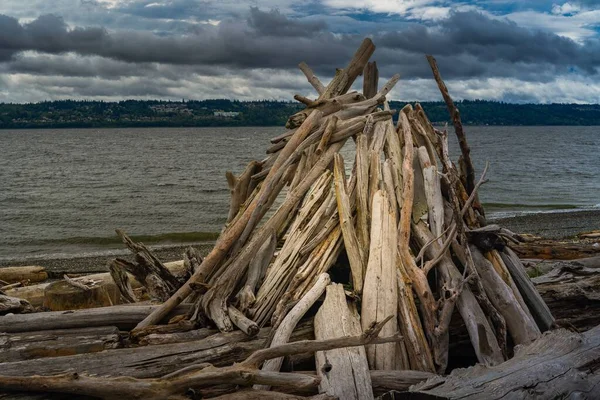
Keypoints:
pixel 226 114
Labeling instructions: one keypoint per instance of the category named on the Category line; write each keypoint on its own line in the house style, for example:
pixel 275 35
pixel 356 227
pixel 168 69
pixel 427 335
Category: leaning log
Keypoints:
pixel 380 292
pixel 560 364
pixel 536 305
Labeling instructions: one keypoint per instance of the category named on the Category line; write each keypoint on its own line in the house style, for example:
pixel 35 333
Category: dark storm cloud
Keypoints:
pixel 467 44
pixel 274 23
pixel 231 43
pixel 490 42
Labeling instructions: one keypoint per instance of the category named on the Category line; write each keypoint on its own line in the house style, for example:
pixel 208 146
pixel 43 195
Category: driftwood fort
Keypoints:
pixel 373 282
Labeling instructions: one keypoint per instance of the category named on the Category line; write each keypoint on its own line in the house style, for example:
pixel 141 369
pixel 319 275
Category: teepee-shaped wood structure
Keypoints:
pixel 407 218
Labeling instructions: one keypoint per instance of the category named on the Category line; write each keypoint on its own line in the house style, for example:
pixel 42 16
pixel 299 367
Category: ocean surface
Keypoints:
pixel 63 192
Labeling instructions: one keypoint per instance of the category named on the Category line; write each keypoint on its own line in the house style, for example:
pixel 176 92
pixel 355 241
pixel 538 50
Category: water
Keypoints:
pixel 65 191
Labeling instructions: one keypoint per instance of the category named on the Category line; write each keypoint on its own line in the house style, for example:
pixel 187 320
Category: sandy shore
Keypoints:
pixel 548 225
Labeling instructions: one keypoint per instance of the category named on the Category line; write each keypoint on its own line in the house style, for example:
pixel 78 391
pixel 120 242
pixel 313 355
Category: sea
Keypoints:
pixel 64 192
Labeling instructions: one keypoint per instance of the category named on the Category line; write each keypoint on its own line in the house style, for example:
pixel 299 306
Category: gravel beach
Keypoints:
pixel 556 225
pixel 56 267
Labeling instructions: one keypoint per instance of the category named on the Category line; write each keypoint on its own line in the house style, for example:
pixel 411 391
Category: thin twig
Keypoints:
pixel 432 263
pixel 310 346
pixel 473 194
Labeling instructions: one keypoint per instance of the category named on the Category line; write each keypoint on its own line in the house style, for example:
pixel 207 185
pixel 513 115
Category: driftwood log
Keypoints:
pixel 123 317
pixel 57 343
pixel 174 385
pixel 344 372
pixel 555 250
pixel 35 294
pixel 560 364
pixel 30 273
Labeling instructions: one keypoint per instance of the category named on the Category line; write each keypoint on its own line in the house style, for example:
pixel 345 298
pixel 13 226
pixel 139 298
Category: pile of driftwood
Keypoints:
pixel 418 249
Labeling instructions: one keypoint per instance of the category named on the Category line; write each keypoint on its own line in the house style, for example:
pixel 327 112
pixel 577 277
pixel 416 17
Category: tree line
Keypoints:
pixel 223 112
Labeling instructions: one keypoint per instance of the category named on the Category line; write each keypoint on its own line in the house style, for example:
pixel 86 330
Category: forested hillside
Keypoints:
pixel 136 113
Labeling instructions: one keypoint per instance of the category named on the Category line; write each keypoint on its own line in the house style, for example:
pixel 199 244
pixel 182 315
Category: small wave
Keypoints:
pixel 494 214
pixel 518 206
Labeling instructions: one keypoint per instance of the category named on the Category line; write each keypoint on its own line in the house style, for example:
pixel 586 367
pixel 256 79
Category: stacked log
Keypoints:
pixel 413 232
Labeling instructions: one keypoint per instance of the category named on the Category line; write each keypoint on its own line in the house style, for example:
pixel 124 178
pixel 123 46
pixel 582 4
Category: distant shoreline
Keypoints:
pixel 48 128
pixel 71 114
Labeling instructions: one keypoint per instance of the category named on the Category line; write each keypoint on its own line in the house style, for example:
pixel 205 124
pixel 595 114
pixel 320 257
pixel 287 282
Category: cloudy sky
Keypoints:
pixel 515 51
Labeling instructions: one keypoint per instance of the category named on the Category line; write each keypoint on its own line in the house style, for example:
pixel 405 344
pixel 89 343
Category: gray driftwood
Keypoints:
pixel 56 343
pixel 123 317
pixel 559 365
pixel 344 372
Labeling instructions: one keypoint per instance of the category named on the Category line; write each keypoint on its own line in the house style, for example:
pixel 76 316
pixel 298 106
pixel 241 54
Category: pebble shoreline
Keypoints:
pixel 557 225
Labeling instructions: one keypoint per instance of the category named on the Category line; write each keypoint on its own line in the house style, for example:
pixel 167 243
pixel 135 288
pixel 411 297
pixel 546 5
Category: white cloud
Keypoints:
pixel 578 27
pixel 566 8
pixel 402 7
pixel 563 89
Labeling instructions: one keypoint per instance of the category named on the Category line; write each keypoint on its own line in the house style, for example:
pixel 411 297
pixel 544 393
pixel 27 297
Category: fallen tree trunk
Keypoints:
pixel 63 295
pixel 560 364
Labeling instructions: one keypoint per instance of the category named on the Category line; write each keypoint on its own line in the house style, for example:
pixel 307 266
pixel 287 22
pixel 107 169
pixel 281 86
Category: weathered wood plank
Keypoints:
pixel 56 343
pixel 344 372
